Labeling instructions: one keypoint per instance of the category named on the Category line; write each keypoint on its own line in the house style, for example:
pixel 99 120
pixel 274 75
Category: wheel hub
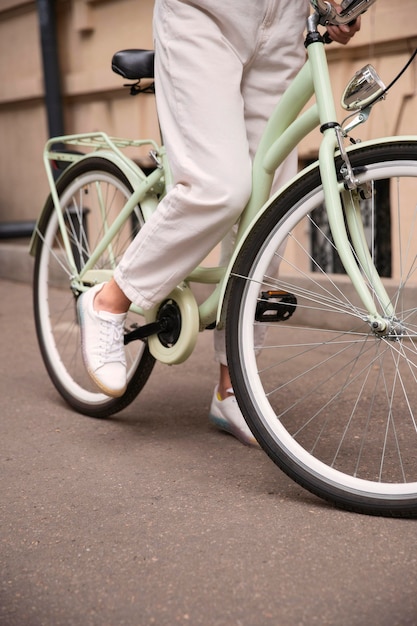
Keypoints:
pixel 391 329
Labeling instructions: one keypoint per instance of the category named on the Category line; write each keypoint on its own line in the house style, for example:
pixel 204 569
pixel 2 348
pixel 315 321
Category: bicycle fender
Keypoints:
pixel 223 294
pixel 133 173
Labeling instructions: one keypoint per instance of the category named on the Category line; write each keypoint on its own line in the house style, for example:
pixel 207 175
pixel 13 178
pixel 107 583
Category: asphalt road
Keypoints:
pixel 154 517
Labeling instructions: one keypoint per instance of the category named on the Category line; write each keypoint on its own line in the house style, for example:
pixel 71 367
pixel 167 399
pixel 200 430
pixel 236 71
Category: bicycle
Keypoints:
pixel 329 393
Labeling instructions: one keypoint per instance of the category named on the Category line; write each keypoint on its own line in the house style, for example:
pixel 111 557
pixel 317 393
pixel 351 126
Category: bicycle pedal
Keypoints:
pixel 275 306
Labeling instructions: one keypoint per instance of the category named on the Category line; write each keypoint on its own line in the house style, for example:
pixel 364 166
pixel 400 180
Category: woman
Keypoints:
pixel 220 68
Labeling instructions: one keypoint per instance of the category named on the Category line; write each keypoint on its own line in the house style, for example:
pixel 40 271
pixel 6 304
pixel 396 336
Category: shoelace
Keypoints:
pixel 113 340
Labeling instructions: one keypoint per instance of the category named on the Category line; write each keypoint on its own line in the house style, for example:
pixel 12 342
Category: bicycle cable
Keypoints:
pixel 385 91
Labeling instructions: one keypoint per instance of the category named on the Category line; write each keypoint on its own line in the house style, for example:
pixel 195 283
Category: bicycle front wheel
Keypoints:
pixel 91 193
pixel 333 402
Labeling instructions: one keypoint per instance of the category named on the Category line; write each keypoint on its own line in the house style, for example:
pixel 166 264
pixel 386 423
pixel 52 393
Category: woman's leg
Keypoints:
pixel 201 111
pixel 280 54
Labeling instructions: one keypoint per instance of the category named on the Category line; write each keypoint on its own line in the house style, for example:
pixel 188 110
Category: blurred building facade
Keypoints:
pixel 93 97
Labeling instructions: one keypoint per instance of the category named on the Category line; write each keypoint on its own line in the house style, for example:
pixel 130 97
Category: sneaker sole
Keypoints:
pixel 228 428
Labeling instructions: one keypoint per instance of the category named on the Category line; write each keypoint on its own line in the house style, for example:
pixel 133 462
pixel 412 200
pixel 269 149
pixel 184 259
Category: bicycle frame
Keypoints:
pixel 314 79
pixel 287 126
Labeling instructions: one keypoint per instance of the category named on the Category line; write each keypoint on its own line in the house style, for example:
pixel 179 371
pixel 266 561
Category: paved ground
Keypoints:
pixel 153 517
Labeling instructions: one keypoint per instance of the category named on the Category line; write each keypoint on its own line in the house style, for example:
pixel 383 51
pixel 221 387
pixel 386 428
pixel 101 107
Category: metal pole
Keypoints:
pixel 51 72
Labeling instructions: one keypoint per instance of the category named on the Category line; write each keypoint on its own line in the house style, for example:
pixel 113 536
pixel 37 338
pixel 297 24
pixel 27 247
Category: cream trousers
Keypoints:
pixel 220 67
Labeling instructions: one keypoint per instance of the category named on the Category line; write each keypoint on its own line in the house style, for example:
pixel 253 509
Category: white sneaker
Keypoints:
pixel 226 415
pixel 102 344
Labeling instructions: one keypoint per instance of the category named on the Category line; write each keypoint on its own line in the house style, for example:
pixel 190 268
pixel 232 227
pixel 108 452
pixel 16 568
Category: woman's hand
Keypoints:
pixel 343 33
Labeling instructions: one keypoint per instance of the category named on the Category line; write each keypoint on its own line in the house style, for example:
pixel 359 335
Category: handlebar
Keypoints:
pixel 350 10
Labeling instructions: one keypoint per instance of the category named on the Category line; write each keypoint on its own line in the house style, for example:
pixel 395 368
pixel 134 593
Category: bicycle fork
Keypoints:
pixel 354 253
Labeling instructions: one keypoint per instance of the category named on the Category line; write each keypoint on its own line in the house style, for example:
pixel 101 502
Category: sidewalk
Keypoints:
pixel 154 517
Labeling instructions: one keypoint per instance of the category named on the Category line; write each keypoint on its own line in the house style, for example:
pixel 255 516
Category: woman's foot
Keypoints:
pixel 226 415
pixel 102 344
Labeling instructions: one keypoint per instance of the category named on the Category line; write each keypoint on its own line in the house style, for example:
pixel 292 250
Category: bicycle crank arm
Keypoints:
pixel 162 325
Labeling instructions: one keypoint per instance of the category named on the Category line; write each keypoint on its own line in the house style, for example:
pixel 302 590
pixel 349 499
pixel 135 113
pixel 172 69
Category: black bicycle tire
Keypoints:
pixel 370 503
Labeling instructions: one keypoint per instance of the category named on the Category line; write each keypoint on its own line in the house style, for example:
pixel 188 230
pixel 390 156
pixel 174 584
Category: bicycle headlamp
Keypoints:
pixel 363 89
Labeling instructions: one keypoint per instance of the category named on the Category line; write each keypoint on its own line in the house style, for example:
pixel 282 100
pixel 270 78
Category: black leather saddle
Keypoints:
pixel 134 64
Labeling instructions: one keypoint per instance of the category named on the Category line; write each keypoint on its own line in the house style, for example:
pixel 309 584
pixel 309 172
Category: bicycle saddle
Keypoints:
pixel 134 64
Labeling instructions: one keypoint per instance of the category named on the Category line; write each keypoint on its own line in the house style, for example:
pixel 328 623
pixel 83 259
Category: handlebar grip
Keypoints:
pixel 326 37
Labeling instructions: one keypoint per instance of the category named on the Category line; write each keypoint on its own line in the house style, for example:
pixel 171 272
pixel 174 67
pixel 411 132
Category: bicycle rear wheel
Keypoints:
pixel 91 193
pixel 333 403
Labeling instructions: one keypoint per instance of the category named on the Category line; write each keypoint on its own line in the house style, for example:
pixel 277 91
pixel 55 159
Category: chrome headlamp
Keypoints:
pixel 363 89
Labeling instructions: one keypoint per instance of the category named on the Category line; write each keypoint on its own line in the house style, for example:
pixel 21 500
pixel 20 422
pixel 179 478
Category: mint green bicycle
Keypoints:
pixel 331 390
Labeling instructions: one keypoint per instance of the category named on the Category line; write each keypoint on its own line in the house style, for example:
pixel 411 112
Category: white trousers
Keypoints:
pixel 220 67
